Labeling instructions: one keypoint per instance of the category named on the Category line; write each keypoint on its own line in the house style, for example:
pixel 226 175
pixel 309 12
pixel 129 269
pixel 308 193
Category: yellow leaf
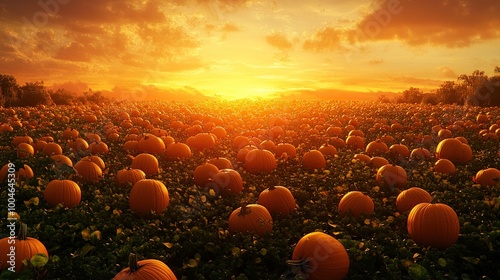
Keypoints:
pixel 193 263
pixel 118 231
pixel 107 208
pixel 96 235
pixel 168 244
pixel 263 251
pixel 86 234
pixel 235 251
pixel 203 198
pixel 367 221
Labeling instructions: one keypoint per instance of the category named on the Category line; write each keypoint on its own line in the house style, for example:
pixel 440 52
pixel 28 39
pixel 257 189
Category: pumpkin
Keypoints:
pixel 278 200
pixel 240 141
pixel 203 141
pixel 407 199
pixel 177 151
pixel 221 163
pixel 148 196
pixel 25 150
pixel 21 139
pixel 253 218
pixel 392 175
pixel 98 148
pixel 66 192
pixel 313 159
pixel 337 142
pixel 444 166
pixel 356 203
pixel 260 161
pixel 434 225
pixel 145 269
pixel 24 248
pixel 319 256
pixel 129 176
pixel 328 150
pixel 242 153
pixel 130 146
pixel 285 148
pixel 362 157
pixel 52 148
pixel 78 144
pixel 378 162
pixel 150 144
pixel 228 180
pixel 376 147
pixel 70 133
pixel 62 159
pixel 25 172
pixel 454 150
pixel 38 145
pixel 420 154
pixel 267 145
pixel 355 142
pixel 88 170
pixel 203 173
pixel 147 163
pixel 219 131
pixel 487 177
pixel 400 150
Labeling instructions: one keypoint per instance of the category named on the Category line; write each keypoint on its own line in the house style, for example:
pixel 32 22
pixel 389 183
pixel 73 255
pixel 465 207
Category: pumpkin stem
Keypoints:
pixel 23 232
pixel 132 262
pixel 301 264
pixel 244 210
pixel 271 188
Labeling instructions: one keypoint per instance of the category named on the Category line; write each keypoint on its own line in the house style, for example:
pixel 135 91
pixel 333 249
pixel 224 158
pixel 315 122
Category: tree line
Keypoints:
pixel 476 89
pixel 35 93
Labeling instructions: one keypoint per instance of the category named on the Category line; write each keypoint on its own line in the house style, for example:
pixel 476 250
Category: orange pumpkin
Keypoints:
pixel 88 170
pixel 228 180
pixel 376 147
pixel 454 150
pixel 98 148
pixel 319 256
pixel 392 175
pixel 145 269
pixel 487 177
pixel 400 150
pixel 253 218
pixel 407 199
pixel 24 248
pixel 313 160
pixel 129 176
pixel 355 203
pixel 148 196
pixel 151 144
pixel 221 163
pixel 420 154
pixel 285 148
pixel 362 157
pixel 203 141
pixel 52 148
pixel 378 162
pixel 65 192
pixel 177 151
pixel 147 163
pixel 434 225
pixel 259 161
pixel 278 200
pixel 25 150
pixel 328 150
pixel 444 166
pixel 355 142
pixel 204 173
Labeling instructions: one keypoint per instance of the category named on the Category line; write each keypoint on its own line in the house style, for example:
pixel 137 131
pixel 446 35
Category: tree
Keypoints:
pixel 8 90
pixel 62 96
pixel 475 88
pixel 32 94
pixel 449 93
pixel 411 95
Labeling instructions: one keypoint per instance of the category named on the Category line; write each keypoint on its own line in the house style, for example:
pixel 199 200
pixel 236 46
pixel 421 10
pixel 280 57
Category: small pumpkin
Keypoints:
pixel 88 170
pixel 356 204
pixel 221 163
pixel 392 175
pixel 151 144
pixel 278 200
pixel 378 162
pixel 313 160
pixel 24 247
pixel 145 269
pixel 129 176
pixel 376 148
pixel 407 199
pixel 319 256
pixel 434 225
pixel 252 218
pixel 487 177
pixel 285 148
pixel 328 150
pixel 228 180
pixel 260 161
pixel 177 151
pixel 444 166
pixel 203 174
pixel 355 142
pixel 66 192
pixel 25 150
pixel 420 154
pixel 148 196
pixel 52 148
pixel 98 148
pixel 147 163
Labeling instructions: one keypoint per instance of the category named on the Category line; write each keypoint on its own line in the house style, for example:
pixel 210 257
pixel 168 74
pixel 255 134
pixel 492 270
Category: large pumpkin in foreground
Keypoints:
pixel 434 225
pixel 253 218
pixel 24 248
pixel 148 196
pixel 144 270
pixel 319 256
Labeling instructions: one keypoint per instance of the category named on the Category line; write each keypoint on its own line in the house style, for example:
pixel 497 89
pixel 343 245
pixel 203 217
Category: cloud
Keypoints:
pixel 375 61
pixel 279 41
pixel 451 23
pixel 151 92
pixel 447 72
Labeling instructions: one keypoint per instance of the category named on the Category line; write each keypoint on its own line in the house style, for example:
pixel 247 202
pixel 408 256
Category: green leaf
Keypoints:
pixel 442 262
pixel 39 260
pixel 418 272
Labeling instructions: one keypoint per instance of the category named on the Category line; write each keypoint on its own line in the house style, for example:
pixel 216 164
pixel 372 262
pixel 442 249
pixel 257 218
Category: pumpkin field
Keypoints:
pixel 266 189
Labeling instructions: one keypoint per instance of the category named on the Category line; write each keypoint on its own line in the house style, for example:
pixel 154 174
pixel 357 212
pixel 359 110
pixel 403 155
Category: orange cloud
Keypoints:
pixel 326 39
pixel 279 41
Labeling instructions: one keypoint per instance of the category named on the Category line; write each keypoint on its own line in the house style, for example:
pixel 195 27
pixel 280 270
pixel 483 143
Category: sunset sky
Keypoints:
pixel 195 49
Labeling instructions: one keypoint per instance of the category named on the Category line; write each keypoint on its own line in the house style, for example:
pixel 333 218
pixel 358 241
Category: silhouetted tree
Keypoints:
pixel 430 98
pixel 411 95
pixel 32 94
pixel 62 97
pixel 449 93
pixel 8 90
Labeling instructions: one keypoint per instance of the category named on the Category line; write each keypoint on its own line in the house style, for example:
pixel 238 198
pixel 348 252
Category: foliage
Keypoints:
pixel 94 238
